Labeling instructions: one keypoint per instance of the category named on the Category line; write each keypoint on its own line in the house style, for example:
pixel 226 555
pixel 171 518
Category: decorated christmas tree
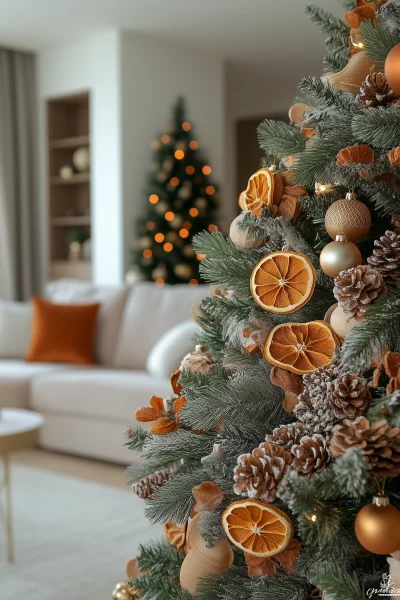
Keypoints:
pixel 181 200
pixel 274 464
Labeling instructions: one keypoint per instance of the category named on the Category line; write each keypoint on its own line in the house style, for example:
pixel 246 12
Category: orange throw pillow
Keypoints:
pixel 63 332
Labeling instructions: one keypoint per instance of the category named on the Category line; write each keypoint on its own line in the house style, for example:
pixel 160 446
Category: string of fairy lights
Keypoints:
pixel 183 228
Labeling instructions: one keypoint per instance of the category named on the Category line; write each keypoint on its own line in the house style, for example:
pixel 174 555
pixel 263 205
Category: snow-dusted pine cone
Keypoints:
pixel 379 442
pixel 355 290
pixel 376 91
pixel 313 409
pixel 145 488
pixel 286 435
pixel 311 455
pixel 258 474
pixel 198 361
pixel 349 395
pixel 386 257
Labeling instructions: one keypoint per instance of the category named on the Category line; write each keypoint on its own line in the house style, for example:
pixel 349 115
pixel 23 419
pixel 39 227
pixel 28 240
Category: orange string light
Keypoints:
pixel 169 215
pixel 174 181
pixel 147 253
pixel 190 170
pixel 159 237
pixel 193 212
pixel 184 233
pixel 179 154
pixel 153 199
pixel 206 170
pixel 200 256
pixel 165 139
pixel 212 228
pixel 193 282
pixel 186 126
pixel 193 145
pixel 150 225
pixel 210 189
pixel 187 225
pixel 168 247
pixel 159 282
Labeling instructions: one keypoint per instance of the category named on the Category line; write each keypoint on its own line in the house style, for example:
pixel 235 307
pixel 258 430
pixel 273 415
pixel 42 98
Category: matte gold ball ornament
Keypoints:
pixel 340 322
pixel 339 256
pixel 392 68
pixel 377 526
pixel 349 217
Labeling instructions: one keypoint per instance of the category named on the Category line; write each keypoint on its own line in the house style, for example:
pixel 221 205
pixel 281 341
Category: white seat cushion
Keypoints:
pixel 149 313
pixel 16 377
pixel 112 302
pixel 167 353
pixel 97 393
pixel 15 329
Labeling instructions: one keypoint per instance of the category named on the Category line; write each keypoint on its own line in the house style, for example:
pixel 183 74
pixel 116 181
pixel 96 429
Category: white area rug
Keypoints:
pixel 72 538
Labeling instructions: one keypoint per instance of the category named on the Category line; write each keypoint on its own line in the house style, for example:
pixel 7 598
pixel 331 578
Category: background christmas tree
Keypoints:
pixel 283 424
pixel 181 200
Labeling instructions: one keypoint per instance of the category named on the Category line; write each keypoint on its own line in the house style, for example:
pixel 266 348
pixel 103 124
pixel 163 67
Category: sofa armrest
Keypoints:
pixel 15 329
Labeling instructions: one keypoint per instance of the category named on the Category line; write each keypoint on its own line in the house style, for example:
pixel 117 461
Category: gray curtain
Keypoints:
pixel 19 239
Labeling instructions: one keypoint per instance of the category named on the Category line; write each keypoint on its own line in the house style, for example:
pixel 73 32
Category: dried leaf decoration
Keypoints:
pixel 163 426
pixel 391 364
pixel 394 156
pixel 178 405
pixel 291 384
pixel 176 535
pixel 286 197
pixel 145 414
pixel 176 386
pixel 208 496
pixel 259 567
pixel 355 155
pixel 355 17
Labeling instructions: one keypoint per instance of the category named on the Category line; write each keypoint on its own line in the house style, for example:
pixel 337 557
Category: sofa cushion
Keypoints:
pixel 16 377
pixel 15 329
pixel 63 333
pixel 167 353
pixel 112 302
pixel 150 312
pixel 96 393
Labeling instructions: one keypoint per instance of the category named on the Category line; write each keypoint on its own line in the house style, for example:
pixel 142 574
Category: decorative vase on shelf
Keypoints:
pixel 81 160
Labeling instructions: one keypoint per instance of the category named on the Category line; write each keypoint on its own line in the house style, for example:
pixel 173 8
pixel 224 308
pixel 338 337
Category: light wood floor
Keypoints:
pixel 80 468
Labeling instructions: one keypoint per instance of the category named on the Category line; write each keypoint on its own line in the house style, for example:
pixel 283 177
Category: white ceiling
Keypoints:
pixel 240 31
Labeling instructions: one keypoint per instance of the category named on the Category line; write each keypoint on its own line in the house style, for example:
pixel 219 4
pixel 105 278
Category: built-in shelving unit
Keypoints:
pixel 69 197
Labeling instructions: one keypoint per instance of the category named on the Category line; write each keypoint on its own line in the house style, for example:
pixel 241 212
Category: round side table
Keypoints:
pixel 19 429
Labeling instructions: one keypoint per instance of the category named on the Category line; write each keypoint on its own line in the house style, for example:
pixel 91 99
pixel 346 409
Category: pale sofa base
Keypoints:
pixel 95 439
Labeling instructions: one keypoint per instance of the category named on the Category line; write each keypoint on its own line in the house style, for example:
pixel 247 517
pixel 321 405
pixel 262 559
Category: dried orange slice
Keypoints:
pixel 257 528
pixel 301 347
pixel 259 192
pixel 283 282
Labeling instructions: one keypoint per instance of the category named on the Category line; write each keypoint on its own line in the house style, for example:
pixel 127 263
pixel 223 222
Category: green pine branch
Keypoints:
pixel 280 139
pixel 386 407
pixel 326 22
pixel 378 127
pixel 339 585
pixel 378 40
pixel 227 308
pixel 175 501
pixel 323 96
pixel 379 333
pixel 137 438
pixel 180 445
pixel 313 164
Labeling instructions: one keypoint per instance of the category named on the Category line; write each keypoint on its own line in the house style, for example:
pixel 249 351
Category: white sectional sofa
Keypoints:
pixel 143 332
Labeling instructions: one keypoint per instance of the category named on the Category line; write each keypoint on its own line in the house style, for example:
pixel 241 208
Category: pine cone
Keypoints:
pixel 349 395
pixel 197 361
pixel 376 91
pixel 313 409
pixel 379 442
pixel 258 474
pixel 311 455
pixel 386 257
pixel 286 435
pixel 356 288
pixel 147 486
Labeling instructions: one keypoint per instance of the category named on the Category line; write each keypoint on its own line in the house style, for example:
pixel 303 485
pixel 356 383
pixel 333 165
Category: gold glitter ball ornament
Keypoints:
pixel 349 217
